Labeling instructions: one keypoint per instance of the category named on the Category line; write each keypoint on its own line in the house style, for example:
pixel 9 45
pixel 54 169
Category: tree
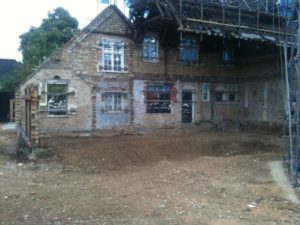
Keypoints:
pixel 38 43
pixel 12 79
pixel 55 30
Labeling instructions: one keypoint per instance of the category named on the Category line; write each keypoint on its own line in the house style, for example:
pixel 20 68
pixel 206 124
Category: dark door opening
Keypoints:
pixel 187 106
pixel 4 105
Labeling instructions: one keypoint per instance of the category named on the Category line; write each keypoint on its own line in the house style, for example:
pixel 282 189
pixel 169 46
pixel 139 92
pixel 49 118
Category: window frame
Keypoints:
pixel 157 97
pixel 224 92
pixel 189 50
pixel 205 91
pixel 227 56
pixel 112 52
pixel 63 110
pixel 111 96
pixel 148 45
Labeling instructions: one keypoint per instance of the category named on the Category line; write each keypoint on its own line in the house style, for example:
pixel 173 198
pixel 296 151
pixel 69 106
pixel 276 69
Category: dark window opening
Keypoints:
pixel 158 99
pixel 188 51
pixel 150 49
pixel 227 56
pixel 57 99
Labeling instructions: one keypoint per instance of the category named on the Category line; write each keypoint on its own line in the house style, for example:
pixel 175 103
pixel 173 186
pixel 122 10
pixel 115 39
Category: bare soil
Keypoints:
pixel 199 178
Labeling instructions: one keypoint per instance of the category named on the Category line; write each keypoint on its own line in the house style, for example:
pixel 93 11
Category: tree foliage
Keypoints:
pixel 39 42
pixel 10 80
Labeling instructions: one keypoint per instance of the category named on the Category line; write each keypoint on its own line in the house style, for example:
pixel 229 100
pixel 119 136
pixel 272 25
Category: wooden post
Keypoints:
pixel 11 110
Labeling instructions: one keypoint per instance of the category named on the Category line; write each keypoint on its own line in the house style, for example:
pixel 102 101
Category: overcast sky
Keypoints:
pixel 17 16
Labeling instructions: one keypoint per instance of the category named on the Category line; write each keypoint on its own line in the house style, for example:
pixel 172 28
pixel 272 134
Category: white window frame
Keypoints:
pixel 226 91
pixel 205 92
pixel 110 104
pixel 112 51
pixel 147 48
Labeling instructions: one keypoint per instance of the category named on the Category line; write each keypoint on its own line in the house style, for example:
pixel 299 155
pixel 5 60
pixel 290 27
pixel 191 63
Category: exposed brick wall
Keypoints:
pixel 78 62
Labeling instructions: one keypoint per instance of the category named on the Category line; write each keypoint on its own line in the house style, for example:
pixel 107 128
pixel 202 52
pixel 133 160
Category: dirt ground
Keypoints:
pixel 199 178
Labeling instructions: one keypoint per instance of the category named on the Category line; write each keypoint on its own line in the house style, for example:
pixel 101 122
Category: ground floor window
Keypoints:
pixel 158 98
pixel 205 92
pixel 114 102
pixel 226 93
pixel 57 99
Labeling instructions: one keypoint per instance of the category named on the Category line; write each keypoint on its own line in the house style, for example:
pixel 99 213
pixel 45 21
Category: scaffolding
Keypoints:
pixel 291 49
pixel 269 21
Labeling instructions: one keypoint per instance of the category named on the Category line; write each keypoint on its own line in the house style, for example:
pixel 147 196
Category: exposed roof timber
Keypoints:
pixel 235 26
pixel 246 4
pixel 230 30
pixel 267 6
pixel 258 18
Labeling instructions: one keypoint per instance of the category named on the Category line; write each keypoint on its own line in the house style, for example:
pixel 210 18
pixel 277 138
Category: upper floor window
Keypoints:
pixel 113 55
pixel 150 48
pixel 57 99
pixel 227 56
pixel 188 51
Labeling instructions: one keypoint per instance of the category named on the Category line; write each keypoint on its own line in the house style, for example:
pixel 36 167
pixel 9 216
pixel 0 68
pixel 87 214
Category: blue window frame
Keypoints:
pixel 188 51
pixel 150 48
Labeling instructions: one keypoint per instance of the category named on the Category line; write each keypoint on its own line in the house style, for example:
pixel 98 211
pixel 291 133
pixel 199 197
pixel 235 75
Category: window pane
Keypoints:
pixel 113 55
pixel 150 48
pixel 57 99
pixel 219 96
pixel 205 92
pixel 112 102
pixel 188 50
pixel 107 61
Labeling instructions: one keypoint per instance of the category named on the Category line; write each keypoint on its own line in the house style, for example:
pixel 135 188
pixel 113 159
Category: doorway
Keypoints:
pixel 187 106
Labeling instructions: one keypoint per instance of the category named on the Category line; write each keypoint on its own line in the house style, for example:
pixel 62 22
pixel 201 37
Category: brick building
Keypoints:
pixel 115 74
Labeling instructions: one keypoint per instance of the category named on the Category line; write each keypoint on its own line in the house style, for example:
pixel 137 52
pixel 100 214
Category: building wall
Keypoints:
pixel 259 95
pixel 208 68
pixel 80 99
pixel 119 119
pixel 262 99
pixel 142 118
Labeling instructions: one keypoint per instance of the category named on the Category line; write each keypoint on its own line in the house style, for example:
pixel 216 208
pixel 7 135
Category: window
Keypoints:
pixel 57 99
pixel 158 98
pixel 113 102
pixel 150 48
pixel 188 51
pixel 113 55
pixel 226 93
pixel 227 56
pixel 205 92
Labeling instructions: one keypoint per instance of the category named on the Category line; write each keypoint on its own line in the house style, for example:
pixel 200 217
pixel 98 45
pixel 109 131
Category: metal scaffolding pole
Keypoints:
pixel 292 74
